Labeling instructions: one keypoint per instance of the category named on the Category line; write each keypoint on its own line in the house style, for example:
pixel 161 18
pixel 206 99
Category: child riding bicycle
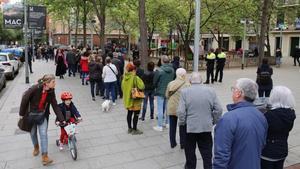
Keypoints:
pixel 71 115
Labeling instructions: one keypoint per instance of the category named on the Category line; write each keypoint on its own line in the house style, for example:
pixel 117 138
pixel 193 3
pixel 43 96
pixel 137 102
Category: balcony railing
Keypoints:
pixel 287 3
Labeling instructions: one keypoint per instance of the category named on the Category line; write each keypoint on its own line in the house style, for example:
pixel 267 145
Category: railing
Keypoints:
pixel 287 3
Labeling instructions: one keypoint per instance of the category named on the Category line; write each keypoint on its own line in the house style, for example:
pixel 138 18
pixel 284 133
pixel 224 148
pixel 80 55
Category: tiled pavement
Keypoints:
pixel 103 141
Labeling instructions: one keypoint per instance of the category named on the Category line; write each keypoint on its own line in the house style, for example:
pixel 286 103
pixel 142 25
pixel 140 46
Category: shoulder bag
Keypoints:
pixel 135 92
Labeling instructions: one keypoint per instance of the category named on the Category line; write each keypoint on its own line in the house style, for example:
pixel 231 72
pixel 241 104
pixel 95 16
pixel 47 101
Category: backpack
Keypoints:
pixel 264 77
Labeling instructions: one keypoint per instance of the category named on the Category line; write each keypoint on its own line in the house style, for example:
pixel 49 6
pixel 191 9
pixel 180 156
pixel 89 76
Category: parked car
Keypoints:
pixel 2 79
pixel 10 64
pixel 17 52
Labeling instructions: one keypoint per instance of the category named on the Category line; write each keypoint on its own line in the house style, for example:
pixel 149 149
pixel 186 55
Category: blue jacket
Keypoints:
pixel 69 111
pixel 240 136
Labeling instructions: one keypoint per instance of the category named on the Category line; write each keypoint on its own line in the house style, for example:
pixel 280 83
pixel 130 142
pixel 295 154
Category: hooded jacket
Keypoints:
pixel 162 77
pixel 240 136
pixel 281 122
pixel 130 81
pixel 173 94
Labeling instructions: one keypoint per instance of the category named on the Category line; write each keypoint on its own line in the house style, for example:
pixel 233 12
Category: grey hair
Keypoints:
pixel 195 78
pixel 281 97
pixel 248 87
pixel 165 59
pixel 180 72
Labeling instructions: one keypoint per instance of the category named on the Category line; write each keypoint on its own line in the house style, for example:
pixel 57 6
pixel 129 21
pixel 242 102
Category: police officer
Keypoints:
pixel 210 63
pixel 221 59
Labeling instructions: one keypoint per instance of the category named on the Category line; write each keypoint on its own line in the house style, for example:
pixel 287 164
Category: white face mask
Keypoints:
pixel 68 102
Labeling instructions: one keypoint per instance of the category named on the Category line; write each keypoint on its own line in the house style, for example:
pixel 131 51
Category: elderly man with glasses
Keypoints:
pixel 240 134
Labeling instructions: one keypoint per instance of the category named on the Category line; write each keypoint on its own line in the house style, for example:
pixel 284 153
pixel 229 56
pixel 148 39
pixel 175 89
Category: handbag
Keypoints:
pixel 24 125
pixel 36 117
pixel 135 92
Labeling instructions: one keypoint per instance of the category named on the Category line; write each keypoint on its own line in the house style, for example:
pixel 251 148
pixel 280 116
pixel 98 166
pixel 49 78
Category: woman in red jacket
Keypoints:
pixel 84 64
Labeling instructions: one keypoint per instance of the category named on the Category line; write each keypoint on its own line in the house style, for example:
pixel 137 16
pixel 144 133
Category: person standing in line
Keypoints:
pixel 109 75
pixel 118 65
pixel 95 74
pixel 61 67
pixel 133 106
pixel 149 90
pixel 84 64
pixel 280 119
pixel 278 57
pixel 240 135
pixel 297 56
pixel 162 77
pixel 139 70
pixel 38 99
pixel 199 109
pixel 210 64
pixel 221 60
pixel 71 60
pixel 173 94
pixel 264 80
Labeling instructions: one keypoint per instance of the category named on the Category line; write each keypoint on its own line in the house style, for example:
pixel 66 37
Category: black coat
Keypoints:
pixel 61 67
pixel 269 85
pixel 280 122
pixel 297 52
pixel 95 71
pixel 148 80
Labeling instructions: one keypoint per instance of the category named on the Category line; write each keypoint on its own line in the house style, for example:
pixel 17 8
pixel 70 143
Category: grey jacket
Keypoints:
pixel 71 57
pixel 199 108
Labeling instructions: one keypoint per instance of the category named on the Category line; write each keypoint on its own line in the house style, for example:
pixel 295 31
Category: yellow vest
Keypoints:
pixel 211 56
pixel 221 55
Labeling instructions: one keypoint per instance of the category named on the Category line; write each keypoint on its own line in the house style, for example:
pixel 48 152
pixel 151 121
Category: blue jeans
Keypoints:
pixel 161 107
pixel 148 95
pixel 71 69
pixel 83 77
pixel 43 128
pixel 278 60
pixel 110 88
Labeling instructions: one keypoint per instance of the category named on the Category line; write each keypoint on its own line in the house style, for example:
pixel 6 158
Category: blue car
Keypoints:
pixel 17 52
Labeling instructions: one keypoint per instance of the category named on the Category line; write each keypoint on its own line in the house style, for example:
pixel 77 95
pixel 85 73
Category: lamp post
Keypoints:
pixel 92 34
pixel 245 22
pixel 26 42
pixel 197 36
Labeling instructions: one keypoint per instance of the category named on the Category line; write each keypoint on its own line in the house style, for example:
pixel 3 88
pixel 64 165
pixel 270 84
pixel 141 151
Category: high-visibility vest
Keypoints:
pixel 221 55
pixel 211 56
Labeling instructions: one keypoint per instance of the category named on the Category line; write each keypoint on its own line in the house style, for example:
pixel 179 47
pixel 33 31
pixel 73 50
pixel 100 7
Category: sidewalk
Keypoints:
pixel 103 141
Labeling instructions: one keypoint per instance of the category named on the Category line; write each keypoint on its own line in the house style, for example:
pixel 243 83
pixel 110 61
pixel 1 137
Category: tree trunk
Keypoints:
pixel 143 51
pixel 102 28
pixel 264 18
pixel 84 22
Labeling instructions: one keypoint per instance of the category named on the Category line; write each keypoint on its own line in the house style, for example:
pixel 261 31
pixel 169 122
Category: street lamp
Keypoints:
pixel 245 22
pixel 281 28
pixel 93 21
pixel 197 36
pixel 26 41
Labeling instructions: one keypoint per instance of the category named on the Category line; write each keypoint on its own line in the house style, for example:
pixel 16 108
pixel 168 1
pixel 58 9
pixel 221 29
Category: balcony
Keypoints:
pixel 289 3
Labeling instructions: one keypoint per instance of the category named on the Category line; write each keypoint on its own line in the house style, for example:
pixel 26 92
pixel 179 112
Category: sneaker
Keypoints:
pixel 93 99
pixel 136 132
pixel 167 126
pixel 61 146
pixel 157 128
pixel 114 104
pixel 130 131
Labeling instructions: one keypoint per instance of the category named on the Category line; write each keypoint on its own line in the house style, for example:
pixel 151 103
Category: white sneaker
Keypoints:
pixel 157 128
pixel 114 104
pixel 61 146
pixel 167 126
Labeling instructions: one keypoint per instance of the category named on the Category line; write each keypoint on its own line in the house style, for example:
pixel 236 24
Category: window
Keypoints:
pixel 3 58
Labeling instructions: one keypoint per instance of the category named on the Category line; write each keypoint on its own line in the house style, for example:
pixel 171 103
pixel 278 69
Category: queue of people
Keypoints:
pixel 244 137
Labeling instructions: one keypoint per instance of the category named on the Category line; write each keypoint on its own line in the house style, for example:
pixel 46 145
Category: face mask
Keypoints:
pixel 68 102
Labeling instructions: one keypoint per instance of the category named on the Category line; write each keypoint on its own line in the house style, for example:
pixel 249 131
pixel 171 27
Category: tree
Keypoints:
pixel 143 33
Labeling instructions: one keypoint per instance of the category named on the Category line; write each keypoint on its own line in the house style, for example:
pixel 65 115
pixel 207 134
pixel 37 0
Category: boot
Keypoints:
pixel 45 159
pixel 36 150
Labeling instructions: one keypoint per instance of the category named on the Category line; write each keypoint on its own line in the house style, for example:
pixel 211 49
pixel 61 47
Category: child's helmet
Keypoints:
pixel 66 95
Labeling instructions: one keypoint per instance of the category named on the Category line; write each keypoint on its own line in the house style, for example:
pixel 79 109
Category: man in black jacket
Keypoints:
pixel 297 55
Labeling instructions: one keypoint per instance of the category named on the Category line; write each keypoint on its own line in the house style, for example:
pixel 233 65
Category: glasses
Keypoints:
pixel 235 89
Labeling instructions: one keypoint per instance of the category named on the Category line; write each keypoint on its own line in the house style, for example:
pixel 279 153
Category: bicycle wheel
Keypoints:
pixel 73 148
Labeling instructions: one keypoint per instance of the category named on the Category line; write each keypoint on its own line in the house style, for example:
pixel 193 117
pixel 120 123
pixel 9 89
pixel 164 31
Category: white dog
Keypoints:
pixel 106 105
